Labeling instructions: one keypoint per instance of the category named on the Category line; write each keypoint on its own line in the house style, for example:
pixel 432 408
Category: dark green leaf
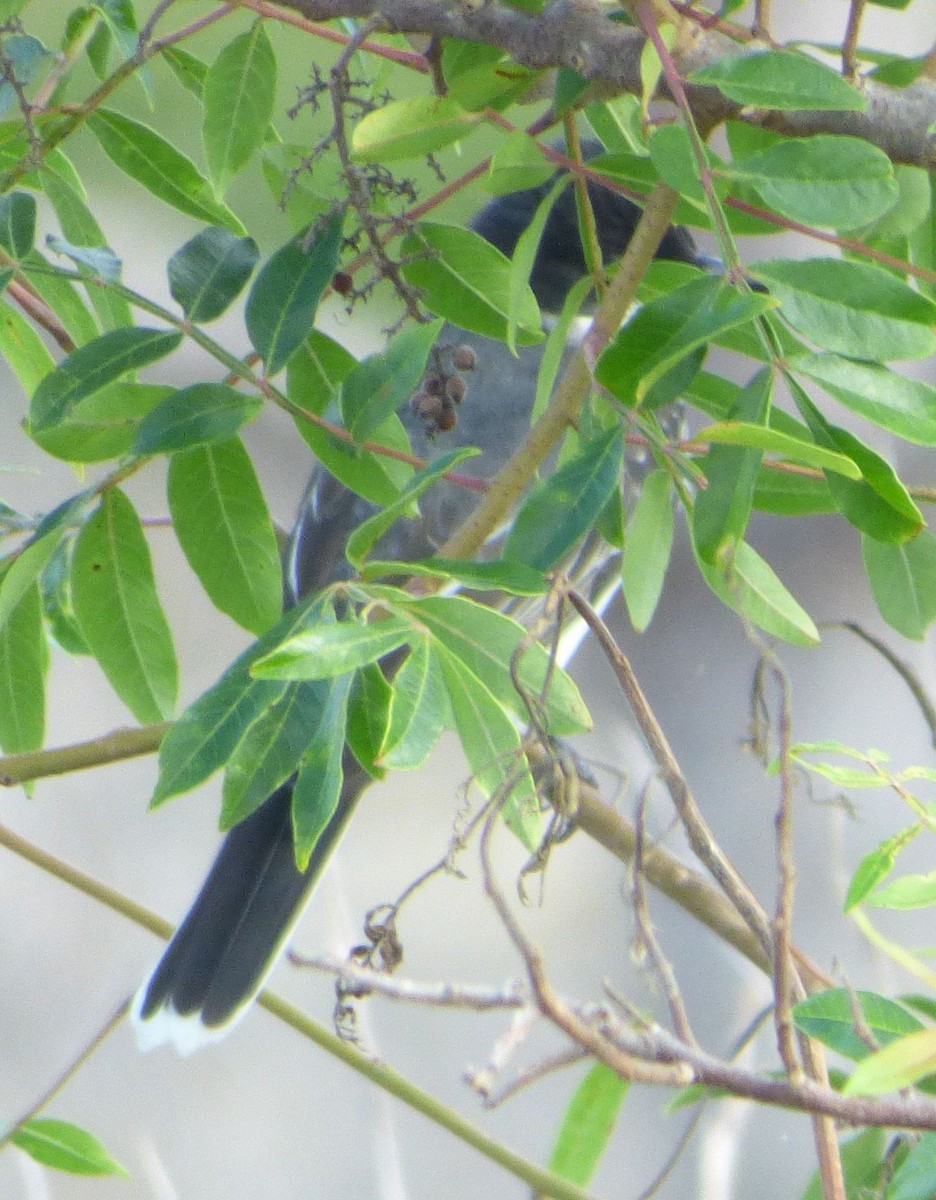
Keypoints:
pixel 103 425
pixel 465 279
pixel 369 532
pixel 588 1124
pixel 269 751
pixel 24 656
pixel 238 96
pixel 148 158
pixel 65 1147
pixel 566 503
pixel 282 302
pixel 195 416
pixel 17 223
pixel 903 580
pixel 91 367
pixel 332 648
pixel 828 1017
pixel 781 79
pixel 375 388
pixel 314 374
pixel 119 612
pixel 205 736
pixel 208 273
pixel 667 330
pixel 318 786
pixel 26 58
pixel 62 297
pixel 224 528
pixel 369 708
pixel 419 712
pixel 839 182
pixel 648 544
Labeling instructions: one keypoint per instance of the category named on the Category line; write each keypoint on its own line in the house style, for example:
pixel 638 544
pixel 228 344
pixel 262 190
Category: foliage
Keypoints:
pixel 814 343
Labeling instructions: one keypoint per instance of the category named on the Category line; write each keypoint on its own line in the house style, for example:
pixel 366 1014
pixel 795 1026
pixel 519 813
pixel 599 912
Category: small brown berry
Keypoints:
pixel 455 388
pixel 464 358
pixel 342 283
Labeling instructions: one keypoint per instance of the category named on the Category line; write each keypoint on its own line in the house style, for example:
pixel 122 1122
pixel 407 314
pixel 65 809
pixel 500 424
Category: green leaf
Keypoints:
pixel 208 273
pixel 224 528
pixel 781 79
pixel 878 504
pixel 332 648
pixel 65 1147
pixel 17 223
pixel 369 708
pixel 667 330
pixel 827 1016
pixel 103 425
pixel 524 257
pixel 269 752
pixel 900 405
pixel 485 641
pixel 375 388
pixel 915 1178
pixel 466 280
pixel 318 786
pixel 405 129
pixel 282 302
pixel 747 584
pixel 648 544
pixel 862 1165
pixel 190 71
pixel 100 261
pixel 563 506
pixel 722 508
pixel 588 1124
pixel 513 578
pixel 93 366
pixel 492 746
pixel 852 308
pixel 899 1065
pixel 876 866
pixel 119 612
pixel 26 568
pixel 480 77
pixel 62 297
pixel 195 416
pixel 313 376
pixel 369 532
pixel 23 349
pixel 839 182
pixel 205 736
pixel 908 891
pixel 148 158
pixel 419 712
pixel 792 449
pixel 517 164
pixel 85 243
pixel 238 95
pixel 903 580
pixel 24 656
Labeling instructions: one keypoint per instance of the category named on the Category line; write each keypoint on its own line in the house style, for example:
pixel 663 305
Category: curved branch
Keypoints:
pixel 581 36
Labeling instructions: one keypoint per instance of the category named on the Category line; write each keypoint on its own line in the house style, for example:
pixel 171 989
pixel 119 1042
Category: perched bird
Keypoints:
pixel 231 936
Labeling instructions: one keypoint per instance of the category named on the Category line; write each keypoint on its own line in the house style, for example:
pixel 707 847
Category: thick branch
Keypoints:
pixel 576 34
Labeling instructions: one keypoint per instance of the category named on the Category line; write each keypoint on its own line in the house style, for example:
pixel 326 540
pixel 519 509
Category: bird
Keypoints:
pixel 232 935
